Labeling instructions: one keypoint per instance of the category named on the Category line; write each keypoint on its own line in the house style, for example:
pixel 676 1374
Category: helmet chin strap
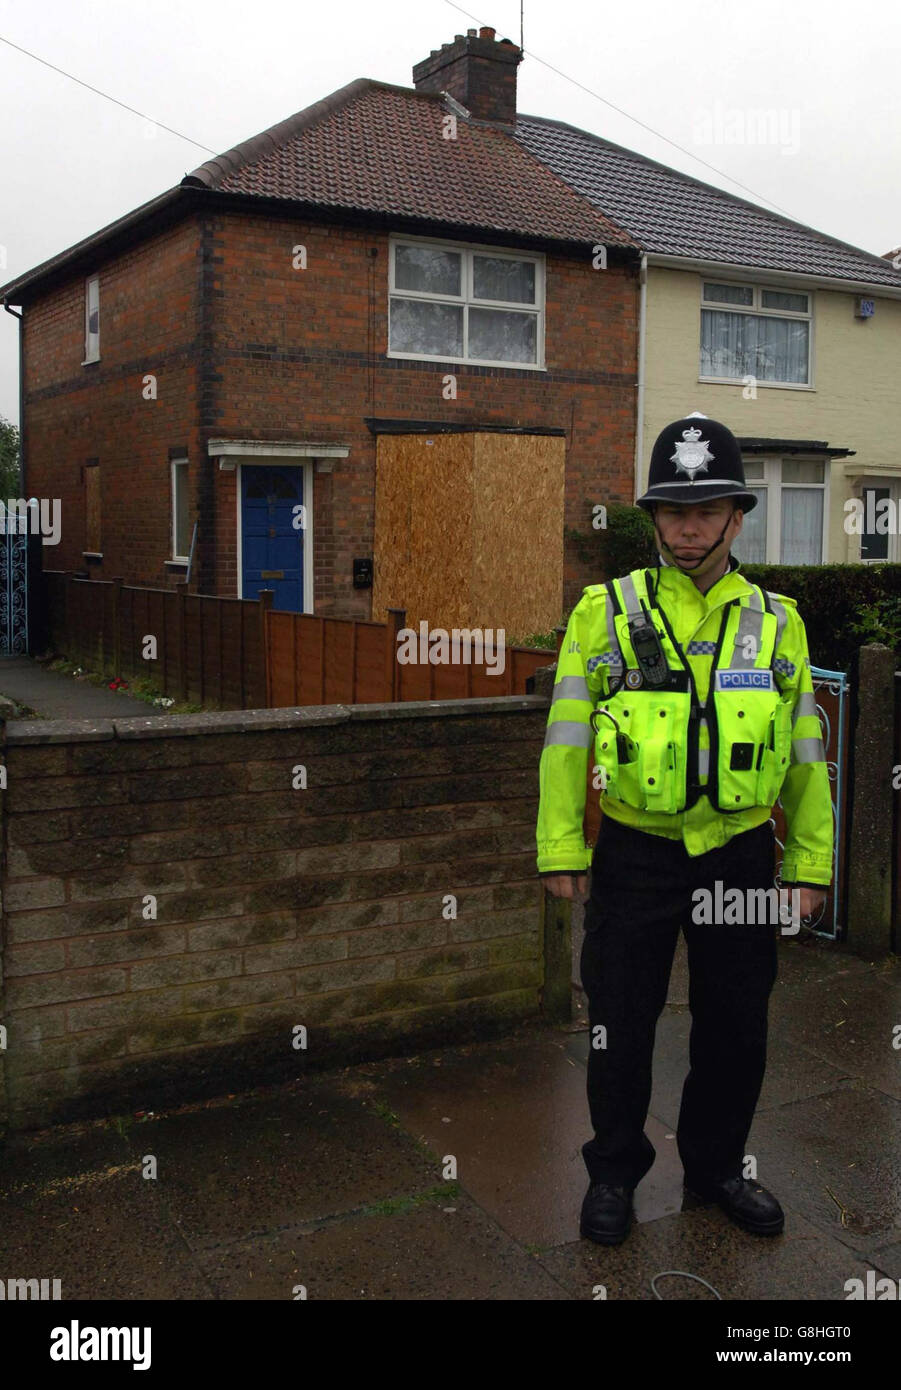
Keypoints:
pixel 693 564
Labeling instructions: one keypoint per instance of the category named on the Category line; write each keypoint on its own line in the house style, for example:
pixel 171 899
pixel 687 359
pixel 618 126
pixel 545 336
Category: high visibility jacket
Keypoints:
pixel 705 756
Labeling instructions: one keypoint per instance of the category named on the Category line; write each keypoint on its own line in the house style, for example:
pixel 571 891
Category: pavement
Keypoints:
pixel 55 696
pixel 457 1173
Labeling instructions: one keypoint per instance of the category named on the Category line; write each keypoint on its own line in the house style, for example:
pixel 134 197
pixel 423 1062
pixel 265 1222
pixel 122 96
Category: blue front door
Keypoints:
pixel 271 543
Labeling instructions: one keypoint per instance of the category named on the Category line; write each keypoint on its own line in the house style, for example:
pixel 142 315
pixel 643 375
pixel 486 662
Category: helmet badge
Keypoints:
pixel 691 453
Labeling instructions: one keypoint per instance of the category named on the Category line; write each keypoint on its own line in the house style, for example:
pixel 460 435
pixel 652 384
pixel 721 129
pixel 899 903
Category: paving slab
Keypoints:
pixel 106 1235
pixel 838 1160
pixel 848 1022
pixel 300 1152
pixel 56 696
pixel 513 1115
pixel 802 1263
pixel 435 1251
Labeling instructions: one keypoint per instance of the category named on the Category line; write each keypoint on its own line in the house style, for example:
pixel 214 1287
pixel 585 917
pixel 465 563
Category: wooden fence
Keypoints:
pixel 204 650
pixel 325 661
pixel 240 654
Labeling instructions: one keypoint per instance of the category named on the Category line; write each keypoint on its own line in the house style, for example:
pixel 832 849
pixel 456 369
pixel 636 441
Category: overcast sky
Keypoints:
pixel 220 71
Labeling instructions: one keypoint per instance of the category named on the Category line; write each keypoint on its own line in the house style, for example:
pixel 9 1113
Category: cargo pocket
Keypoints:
pixel 657 775
pixel 776 752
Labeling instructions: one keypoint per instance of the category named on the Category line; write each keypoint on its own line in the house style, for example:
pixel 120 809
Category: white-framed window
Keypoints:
pixel 457 303
pixel 92 319
pixel 758 331
pixel 181 524
pixel 787 527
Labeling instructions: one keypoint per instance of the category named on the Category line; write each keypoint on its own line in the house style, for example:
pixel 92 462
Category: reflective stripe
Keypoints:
pixel 572 688
pixel 612 639
pixel 569 733
pixel 781 619
pixel 807 704
pixel 750 624
pixel 808 750
pixel 703 753
pixel 630 597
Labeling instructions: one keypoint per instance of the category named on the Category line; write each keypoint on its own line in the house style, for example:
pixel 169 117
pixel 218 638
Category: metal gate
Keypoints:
pixel 22 610
pixel 830 690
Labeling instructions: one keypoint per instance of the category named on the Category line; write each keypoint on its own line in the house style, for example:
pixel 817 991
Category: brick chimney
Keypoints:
pixel 476 71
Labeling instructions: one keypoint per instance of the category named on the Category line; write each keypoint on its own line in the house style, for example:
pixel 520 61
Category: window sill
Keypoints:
pixel 92 556
pixel 467 362
pixel 176 564
pixel 758 384
pixel 90 361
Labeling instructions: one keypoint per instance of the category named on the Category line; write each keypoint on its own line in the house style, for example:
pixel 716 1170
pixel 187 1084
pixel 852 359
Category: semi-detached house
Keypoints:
pixel 394 350
pixel 385 311
pixel 789 336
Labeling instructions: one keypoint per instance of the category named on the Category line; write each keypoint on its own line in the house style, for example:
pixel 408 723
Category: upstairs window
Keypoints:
pixel 465 305
pixel 752 331
pixel 92 319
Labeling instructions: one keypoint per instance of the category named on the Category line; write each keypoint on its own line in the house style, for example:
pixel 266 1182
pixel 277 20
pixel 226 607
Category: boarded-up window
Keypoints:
pixel 469 530
pixel 92 542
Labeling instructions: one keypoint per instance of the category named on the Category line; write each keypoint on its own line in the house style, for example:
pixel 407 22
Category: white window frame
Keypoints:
pixel 467 250
pixel 756 308
pixel 91 340
pixel 772 482
pixel 862 485
pixel 174 465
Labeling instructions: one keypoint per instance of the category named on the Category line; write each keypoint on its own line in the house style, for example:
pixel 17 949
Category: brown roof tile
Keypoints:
pixel 379 148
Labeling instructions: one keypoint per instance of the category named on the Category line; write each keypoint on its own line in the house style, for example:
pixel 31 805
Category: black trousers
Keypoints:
pixel 641 894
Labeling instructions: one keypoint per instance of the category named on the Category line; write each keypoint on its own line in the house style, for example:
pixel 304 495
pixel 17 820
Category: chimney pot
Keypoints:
pixel 470 33
pixel 486 33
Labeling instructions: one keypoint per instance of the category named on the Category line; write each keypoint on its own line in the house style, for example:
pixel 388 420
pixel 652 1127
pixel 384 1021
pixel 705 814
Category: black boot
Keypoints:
pixel 745 1202
pixel 606 1213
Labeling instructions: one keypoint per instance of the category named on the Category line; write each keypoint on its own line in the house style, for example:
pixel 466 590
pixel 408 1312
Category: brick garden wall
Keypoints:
pixel 275 906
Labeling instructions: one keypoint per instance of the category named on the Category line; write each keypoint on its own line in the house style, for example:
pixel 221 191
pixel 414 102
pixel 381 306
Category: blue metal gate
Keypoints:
pixel 14 555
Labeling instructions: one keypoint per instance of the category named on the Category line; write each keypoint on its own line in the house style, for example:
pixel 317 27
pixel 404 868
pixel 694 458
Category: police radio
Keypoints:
pixel 648 651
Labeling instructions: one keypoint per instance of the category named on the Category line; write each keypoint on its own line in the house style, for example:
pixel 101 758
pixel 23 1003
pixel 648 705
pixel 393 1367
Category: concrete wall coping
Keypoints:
pixel 42 731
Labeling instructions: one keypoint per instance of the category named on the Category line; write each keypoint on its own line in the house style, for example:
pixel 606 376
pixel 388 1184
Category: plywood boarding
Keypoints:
pixel 423 528
pixel 517 544
pixel 469 530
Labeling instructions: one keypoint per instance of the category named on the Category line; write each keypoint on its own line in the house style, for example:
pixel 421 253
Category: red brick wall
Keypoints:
pixel 148 325
pixel 300 355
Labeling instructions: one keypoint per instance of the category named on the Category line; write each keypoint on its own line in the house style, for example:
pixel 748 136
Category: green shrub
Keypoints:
pixel 844 607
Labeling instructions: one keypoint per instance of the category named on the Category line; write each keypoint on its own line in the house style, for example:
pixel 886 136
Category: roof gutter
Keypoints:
pixel 639 408
pixel 780 277
pixel 21 317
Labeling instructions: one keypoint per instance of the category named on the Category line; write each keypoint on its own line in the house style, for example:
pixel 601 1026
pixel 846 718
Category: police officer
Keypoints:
pixel 693 688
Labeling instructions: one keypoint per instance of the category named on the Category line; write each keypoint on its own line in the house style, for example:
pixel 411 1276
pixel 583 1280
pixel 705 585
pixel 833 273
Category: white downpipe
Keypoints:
pixel 639 422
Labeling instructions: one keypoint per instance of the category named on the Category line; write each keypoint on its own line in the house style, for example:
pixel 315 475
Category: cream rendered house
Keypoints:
pixel 788 336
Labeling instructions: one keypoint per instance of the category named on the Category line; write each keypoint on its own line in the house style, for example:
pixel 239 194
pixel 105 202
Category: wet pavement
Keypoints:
pixel 55 696
pixel 457 1174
